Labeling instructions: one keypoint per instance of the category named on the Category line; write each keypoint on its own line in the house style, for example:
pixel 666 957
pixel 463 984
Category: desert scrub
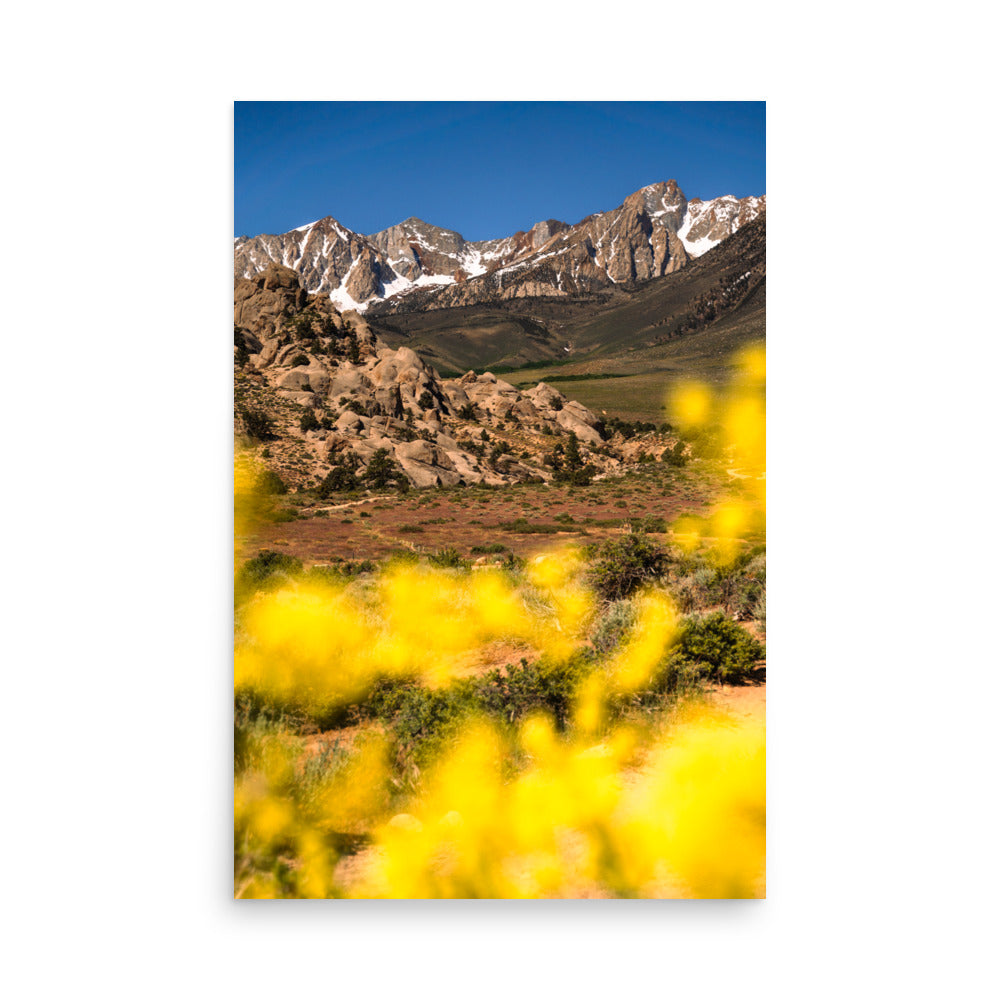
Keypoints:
pixel 624 564
pixel 257 424
pixel 694 591
pixel 716 648
pixel 449 558
pixel 269 483
pixel 492 548
pixel 423 720
pixel 750 587
pixel 308 422
pixel 613 626
pixel 735 583
pixel 265 570
pixel 547 686
pixel 522 526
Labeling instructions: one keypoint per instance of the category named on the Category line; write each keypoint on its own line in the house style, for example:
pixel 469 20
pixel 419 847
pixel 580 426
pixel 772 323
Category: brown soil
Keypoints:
pixel 429 520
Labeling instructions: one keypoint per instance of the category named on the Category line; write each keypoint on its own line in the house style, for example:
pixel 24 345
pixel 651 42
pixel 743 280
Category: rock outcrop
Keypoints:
pixel 302 357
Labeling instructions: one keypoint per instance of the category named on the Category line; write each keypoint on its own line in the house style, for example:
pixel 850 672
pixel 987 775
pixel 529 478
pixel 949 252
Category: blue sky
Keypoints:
pixel 483 169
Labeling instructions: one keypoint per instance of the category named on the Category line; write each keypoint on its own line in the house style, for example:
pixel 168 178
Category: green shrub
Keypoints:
pixel 739 584
pixel 299 360
pixel 624 564
pixel 486 550
pixel 549 686
pixel 524 527
pixel 649 524
pixel 695 590
pixel 675 456
pixel 257 424
pixel 500 448
pixel 706 442
pixel 613 626
pixel 717 647
pixel 448 557
pixel 265 568
pixel 308 422
pixel 270 483
pixel 350 569
pixel 421 720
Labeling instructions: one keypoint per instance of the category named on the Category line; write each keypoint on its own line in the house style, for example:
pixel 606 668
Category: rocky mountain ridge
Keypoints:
pixel 331 395
pixel 654 232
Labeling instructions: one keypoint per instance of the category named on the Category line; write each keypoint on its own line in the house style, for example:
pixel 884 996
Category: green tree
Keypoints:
pixel 574 460
pixel 353 347
pixel 257 424
pixel 381 469
pixel 569 465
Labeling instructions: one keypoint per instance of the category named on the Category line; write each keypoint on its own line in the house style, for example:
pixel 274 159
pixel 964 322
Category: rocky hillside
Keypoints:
pixel 415 265
pixel 591 333
pixel 324 395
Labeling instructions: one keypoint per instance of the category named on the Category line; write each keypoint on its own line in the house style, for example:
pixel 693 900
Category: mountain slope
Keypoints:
pixel 415 265
pixel 573 331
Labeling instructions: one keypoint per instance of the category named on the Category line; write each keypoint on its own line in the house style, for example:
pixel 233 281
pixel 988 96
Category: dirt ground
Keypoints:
pixel 524 519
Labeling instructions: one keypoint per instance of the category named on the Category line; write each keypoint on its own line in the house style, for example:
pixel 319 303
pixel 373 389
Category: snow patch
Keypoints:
pixel 396 286
pixel 435 279
pixel 343 301
pixel 698 247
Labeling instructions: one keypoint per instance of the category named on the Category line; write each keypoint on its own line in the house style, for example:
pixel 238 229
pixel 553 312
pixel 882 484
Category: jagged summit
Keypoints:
pixel 655 231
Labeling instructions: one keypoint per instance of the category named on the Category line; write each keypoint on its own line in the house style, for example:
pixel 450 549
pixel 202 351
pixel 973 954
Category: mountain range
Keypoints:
pixel 416 266
pixel 347 346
